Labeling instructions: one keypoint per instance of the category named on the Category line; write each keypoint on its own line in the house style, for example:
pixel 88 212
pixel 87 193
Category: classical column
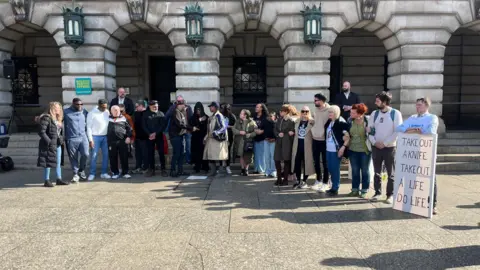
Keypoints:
pixel 5 92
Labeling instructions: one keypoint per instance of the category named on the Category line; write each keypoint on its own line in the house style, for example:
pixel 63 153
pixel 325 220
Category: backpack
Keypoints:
pixel 392 115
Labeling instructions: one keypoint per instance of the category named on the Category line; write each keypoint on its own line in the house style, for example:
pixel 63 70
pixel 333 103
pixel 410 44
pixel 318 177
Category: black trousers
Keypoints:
pixel 141 161
pixel 300 161
pixel 151 152
pixel 380 156
pixel 320 148
pixel 116 150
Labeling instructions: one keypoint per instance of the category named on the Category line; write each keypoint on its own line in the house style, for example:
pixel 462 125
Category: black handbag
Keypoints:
pixel 248 147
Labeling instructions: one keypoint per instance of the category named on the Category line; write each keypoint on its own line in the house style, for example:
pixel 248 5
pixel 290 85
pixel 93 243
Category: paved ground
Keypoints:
pixel 234 223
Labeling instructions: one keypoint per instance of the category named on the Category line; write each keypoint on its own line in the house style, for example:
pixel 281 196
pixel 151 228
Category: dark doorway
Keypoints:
pixel 162 80
pixel 25 85
pixel 249 80
pixel 336 74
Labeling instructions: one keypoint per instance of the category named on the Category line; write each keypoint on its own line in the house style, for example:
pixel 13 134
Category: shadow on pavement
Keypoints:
pixel 437 259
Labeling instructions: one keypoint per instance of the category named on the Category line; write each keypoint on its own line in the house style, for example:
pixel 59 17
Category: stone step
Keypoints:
pixel 467 134
pixel 458 158
pixel 461 142
pixel 458 149
pixel 448 167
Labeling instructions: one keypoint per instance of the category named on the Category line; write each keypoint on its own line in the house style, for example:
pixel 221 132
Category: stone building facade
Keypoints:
pixel 252 51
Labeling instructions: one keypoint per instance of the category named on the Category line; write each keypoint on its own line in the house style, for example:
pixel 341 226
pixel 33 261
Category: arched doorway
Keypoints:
pixel 461 95
pixel 358 56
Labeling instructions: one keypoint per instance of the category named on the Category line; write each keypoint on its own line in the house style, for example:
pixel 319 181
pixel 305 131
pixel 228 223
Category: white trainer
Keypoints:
pixel 105 176
pixel 127 176
pixel 115 176
pixel 303 185
pixel 229 171
pixel 323 188
pixel 376 198
pixel 75 178
pixel 316 185
pixel 91 177
pixel 389 200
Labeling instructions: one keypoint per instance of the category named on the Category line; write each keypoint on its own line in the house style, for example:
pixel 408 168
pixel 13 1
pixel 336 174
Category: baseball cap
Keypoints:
pixel 152 102
pixel 214 104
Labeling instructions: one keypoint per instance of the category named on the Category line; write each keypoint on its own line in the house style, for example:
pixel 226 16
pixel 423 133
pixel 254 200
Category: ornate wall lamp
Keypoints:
pixel 312 25
pixel 194 24
pixel 73 26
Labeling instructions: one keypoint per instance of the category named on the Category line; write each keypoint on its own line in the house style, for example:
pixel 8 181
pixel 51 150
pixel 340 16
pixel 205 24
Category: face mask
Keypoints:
pixel 345 89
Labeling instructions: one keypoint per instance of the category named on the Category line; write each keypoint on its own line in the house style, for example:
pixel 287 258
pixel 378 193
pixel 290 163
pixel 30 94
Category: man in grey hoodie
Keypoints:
pixel 75 124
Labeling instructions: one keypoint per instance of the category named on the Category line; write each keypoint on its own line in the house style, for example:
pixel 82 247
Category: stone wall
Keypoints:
pixel 461 78
pixel 253 44
pixel 363 64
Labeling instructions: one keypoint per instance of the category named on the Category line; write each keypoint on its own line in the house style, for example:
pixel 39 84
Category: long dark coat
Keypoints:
pixel 50 139
pixel 283 146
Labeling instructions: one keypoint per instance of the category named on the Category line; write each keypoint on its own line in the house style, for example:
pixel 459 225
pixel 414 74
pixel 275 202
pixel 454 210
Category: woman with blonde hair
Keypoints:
pixel 284 132
pixel 337 137
pixel 51 141
pixel 243 132
pixel 302 148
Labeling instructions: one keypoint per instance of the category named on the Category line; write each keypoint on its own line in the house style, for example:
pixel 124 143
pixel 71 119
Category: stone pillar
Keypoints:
pixel 419 73
pixel 95 62
pixel 306 74
pixel 5 92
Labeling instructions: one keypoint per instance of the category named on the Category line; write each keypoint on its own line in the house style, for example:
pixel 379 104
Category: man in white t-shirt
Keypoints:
pixel 383 136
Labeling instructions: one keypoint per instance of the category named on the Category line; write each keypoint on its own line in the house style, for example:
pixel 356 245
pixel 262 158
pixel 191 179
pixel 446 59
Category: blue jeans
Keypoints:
pixel 74 148
pixel 188 143
pixel 269 160
pixel 177 157
pixel 333 164
pixel 259 155
pixel 360 161
pixel 58 169
pixel 99 142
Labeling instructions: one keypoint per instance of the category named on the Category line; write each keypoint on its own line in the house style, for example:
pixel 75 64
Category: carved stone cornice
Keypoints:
pixel 252 9
pixel 136 9
pixel 20 9
pixel 369 9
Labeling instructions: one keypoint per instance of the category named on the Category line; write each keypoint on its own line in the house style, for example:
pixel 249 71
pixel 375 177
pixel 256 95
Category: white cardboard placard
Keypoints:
pixel 415 161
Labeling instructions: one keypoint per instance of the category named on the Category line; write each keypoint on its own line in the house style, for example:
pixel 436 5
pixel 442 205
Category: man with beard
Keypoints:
pixel 141 138
pixel 383 136
pixel 319 145
pixel 75 126
pixel 346 99
pixel 122 98
pixel 154 124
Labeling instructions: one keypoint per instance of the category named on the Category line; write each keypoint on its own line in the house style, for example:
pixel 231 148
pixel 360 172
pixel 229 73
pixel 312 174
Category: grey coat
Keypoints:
pixel 283 146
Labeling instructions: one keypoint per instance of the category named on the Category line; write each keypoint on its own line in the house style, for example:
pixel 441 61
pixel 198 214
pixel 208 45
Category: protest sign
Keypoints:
pixel 415 162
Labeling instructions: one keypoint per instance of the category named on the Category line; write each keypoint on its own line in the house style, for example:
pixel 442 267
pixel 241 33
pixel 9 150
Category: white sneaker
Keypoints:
pixel 127 176
pixel 75 178
pixel 91 177
pixel 105 176
pixel 229 171
pixel 375 198
pixel 316 185
pixel 389 200
pixel 323 188
pixel 83 176
pixel 115 176
pixel 304 185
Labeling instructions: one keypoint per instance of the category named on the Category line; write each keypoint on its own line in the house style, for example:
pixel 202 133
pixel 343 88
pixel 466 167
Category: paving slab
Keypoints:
pixel 195 220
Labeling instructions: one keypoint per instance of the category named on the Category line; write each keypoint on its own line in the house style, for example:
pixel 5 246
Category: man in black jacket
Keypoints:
pixel 346 99
pixel 154 124
pixel 178 128
pixel 123 99
pixel 141 138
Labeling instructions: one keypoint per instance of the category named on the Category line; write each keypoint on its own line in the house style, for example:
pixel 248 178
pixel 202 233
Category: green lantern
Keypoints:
pixel 73 26
pixel 312 25
pixel 194 24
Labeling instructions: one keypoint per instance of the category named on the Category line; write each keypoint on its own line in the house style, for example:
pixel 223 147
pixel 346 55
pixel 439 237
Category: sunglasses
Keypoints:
pixel 78 104
pixel 305 111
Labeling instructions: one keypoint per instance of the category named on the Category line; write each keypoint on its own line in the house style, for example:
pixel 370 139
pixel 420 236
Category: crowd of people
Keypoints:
pixel 290 145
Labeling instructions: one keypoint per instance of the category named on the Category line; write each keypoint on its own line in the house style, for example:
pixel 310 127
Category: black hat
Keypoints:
pixel 152 102
pixel 214 104
pixel 141 102
pixel 102 101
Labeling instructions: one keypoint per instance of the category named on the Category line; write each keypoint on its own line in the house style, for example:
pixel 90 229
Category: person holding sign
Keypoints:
pixel 359 151
pixel 383 136
pixel 337 137
pixel 422 123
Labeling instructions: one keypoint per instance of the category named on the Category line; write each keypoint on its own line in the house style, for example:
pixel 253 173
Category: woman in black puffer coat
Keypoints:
pixel 51 141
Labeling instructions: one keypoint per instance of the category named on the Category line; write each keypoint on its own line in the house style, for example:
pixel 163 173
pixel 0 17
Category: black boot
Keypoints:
pixel 243 172
pixel 173 173
pixel 60 182
pixel 48 184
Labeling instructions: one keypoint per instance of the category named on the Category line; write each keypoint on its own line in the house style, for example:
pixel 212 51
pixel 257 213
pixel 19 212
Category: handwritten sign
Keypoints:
pixel 415 162
pixel 83 86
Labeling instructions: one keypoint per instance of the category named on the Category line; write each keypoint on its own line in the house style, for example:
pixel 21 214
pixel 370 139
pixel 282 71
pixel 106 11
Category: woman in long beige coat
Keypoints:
pixel 243 132
pixel 216 150
pixel 284 132
pixel 302 154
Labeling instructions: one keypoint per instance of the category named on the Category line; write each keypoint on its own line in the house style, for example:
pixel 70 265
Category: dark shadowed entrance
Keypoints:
pixel 162 80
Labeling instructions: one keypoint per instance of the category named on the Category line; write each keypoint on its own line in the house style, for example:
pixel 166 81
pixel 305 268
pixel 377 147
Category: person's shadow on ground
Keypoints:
pixel 437 259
